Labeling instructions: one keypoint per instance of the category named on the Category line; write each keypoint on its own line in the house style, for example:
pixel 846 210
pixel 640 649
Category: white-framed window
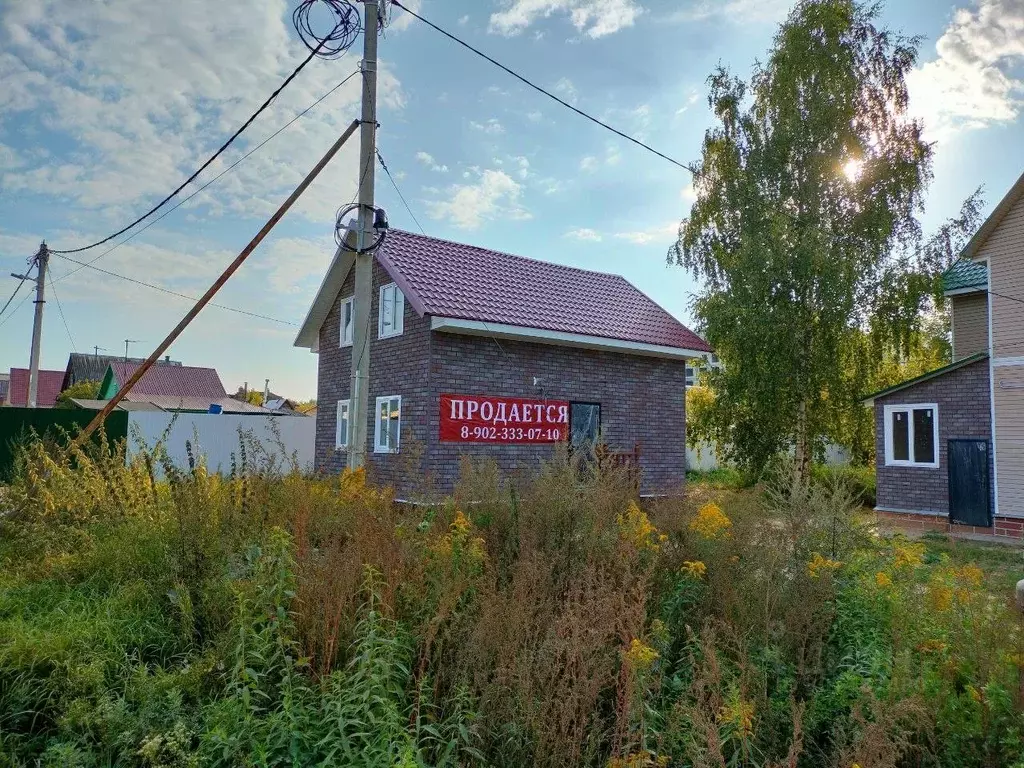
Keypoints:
pixel 388 430
pixel 391 315
pixel 348 319
pixel 341 430
pixel 912 435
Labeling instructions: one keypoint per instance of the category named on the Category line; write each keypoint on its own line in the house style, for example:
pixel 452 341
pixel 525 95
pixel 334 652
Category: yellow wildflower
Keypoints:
pixel 461 523
pixel 909 555
pixel 819 564
pixel 971 575
pixel 940 597
pixel 1017 659
pixel 640 656
pixel 738 713
pixel 973 692
pixel 931 646
pixel 637 529
pixel 711 522
pixel 659 631
pixel 694 569
pixel 882 579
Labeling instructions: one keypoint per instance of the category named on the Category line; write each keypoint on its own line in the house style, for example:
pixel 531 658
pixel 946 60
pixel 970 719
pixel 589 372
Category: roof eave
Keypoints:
pixel 561 338
pixel 994 219
pixel 982 288
pixel 308 336
pixel 934 374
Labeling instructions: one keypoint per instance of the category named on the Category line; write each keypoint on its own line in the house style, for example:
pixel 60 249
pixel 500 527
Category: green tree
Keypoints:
pixel 803 230
pixel 82 390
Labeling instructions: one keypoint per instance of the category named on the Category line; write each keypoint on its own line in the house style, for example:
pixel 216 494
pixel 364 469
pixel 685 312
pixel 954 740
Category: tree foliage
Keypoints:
pixel 804 229
pixel 82 390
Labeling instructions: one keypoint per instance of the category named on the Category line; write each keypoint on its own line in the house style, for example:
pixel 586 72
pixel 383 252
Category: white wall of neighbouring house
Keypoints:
pixel 216 437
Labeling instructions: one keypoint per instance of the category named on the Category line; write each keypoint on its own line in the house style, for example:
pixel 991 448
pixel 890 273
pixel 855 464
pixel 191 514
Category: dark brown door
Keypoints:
pixel 969 502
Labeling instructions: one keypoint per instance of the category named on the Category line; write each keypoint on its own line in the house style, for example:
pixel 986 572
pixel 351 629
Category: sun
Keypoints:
pixel 852 169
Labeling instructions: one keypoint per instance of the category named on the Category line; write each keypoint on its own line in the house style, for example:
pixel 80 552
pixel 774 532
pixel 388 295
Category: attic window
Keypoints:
pixel 391 312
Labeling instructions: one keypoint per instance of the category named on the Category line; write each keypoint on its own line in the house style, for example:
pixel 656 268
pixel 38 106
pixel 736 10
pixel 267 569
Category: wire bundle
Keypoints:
pixel 346 27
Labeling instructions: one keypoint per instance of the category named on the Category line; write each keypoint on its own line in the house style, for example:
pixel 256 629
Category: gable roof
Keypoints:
pixel 994 219
pixel 464 282
pixel 47 390
pixel 173 381
pixel 965 276
pixel 955 365
pixel 85 367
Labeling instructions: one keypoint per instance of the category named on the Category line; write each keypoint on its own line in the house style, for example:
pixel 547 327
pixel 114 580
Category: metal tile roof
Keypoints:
pixel 174 381
pixel 965 274
pixel 927 376
pixel 447 279
pixel 46 392
pixel 85 366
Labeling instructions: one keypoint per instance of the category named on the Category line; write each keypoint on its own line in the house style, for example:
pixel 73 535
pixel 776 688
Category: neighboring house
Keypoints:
pixel 484 354
pixel 707 362
pixel 172 388
pixel 5 387
pixel 47 390
pixel 950 443
pixel 85 367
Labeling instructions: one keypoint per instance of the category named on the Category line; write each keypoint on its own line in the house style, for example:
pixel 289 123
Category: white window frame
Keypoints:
pixel 339 441
pixel 378 445
pixel 398 307
pixel 887 428
pixel 342 341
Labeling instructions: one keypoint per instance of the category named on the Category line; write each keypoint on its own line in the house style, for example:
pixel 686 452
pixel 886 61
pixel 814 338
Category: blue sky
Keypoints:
pixel 104 108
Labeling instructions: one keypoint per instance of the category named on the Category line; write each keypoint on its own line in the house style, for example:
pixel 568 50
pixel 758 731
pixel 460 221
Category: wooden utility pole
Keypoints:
pixel 359 396
pixel 217 285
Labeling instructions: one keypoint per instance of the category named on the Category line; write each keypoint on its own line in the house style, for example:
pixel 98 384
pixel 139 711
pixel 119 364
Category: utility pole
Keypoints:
pixel 96 350
pixel 126 343
pixel 42 260
pixel 359 396
pixel 266 391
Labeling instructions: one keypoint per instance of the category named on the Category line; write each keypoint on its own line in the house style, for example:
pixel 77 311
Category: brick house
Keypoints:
pixel 479 353
pixel 950 443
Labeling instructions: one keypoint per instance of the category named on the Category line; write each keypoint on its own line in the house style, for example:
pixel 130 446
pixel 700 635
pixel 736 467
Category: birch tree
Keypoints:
pixel 804 224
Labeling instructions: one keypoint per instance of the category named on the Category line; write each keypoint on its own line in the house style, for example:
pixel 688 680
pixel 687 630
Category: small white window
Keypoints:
pixel 387 433
pixel 912 435
pixel 392 312
pixel 341 430
pixel 347 320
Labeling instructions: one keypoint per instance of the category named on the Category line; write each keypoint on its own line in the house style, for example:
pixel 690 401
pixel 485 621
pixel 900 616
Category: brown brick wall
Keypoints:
pixel 642 398
pixel 963 399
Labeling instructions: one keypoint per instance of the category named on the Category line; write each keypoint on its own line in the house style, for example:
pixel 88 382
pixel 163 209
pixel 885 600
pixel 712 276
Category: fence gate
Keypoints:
pixel 969 502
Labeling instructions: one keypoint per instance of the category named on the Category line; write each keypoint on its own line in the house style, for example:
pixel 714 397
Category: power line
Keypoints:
pixel 83 264
pixel 547 93
pixel 60 309
pixel 380 158
pixel 14 311
pixel 211 181
pixel 212 157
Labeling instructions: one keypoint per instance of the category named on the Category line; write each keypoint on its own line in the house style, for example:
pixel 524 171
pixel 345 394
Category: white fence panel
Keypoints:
pixel 216 436
pixel 705 457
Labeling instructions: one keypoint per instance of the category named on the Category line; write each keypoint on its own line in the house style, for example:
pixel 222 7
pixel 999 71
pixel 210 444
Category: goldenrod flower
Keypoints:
pixel 711 522
pixel 819 564
pixel 461 523
pixel 931 646
pixel 637 529
pixel 971 574
pixel 882 579
pixel 738 713
pixel 909 555
pixel 940 597
pixel 640 656
pixel 694 568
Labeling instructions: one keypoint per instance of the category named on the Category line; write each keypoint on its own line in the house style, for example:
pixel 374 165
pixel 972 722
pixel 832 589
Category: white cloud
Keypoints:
pixel 428 160
pixel 732 11
pixel 593 18
pixel 612 156
pixel 495 195
pixel 464 20
pixel 534 117
pixel 492 126
pixel 691 99
pixel 134 120
pixel 585 234
pixel 688 193
pixel 664 233
pixel 589 164
pixel 976 80
pixel 524 166
pixel 566 88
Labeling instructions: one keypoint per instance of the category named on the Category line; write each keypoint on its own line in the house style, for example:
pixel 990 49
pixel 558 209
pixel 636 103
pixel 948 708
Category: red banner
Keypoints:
pixel 483 419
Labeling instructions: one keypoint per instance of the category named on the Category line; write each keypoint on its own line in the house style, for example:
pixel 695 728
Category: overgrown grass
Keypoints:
pixel 267 618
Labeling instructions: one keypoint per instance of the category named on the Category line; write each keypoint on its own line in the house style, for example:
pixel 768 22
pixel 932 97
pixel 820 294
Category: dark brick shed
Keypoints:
pixel 481 324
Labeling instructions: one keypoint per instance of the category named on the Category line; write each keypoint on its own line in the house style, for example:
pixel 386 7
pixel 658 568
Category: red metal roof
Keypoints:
pixel 449 279
pixel 46 392
pixel 170 381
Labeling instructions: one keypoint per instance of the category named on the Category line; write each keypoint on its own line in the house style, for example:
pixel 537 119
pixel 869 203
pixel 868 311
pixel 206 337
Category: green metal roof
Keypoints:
pixel 955 365
pixel 965 274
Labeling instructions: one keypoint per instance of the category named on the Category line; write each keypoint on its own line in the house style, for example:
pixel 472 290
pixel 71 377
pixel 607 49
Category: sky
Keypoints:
pixel 106 107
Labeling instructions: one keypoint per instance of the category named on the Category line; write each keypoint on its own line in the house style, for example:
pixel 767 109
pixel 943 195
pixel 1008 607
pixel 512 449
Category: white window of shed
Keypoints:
pixel 391 312
pixel 912 435
pixel 388 430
